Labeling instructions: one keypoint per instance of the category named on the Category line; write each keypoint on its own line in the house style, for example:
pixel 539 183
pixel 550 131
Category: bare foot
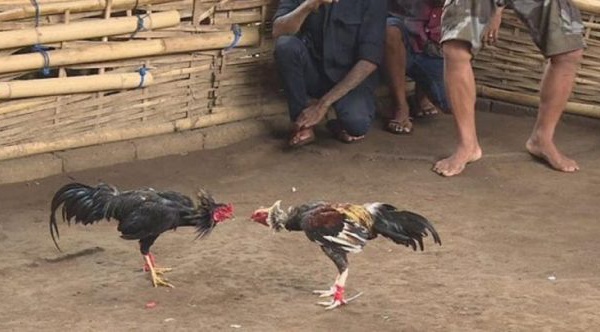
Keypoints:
pixel 548 152
pixel 456 163
pixel 301 137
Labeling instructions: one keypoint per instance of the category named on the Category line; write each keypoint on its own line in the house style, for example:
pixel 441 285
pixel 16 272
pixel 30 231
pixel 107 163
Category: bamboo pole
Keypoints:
pixel 102 136
pixel 592 6
pixel 127 50
pixel 70 85
pixel 73 6
pixel 84 30
pixel 534 101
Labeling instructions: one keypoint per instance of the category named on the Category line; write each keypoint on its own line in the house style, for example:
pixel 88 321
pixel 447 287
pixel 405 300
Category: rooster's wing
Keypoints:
pixel 332 228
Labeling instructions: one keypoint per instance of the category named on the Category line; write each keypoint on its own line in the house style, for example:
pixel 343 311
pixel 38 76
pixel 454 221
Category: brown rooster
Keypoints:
pixel 345 228
pixel 142 214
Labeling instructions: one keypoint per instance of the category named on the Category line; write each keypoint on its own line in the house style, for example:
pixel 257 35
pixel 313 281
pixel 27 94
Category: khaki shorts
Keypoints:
pixel 555 25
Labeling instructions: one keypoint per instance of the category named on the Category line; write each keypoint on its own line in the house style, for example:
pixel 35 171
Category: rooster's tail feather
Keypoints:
pixel 84 203
pixel 403 227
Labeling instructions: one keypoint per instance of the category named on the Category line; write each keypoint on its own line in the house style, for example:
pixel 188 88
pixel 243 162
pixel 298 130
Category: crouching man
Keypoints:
pixel 327 53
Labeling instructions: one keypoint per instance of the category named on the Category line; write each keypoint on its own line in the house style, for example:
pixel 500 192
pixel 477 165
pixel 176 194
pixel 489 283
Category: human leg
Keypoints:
pixel 396 63
pixel 428 73
pixel 556 87
pixel 463 23
pixel 460 88
pixel 298 75
pixel 355 112
pixel 556 28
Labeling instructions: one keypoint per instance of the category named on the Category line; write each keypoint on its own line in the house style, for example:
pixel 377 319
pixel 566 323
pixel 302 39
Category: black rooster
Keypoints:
pixel 142 214
pixel 345 228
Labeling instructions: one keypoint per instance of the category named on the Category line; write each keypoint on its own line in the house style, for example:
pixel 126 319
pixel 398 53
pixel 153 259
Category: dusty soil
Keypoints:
pixel 507 225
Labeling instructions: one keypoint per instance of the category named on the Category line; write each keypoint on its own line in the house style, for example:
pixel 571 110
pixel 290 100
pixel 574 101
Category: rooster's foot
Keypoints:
pixel 158 281
pixel 325 293
pixel 155 272
pixel 338 302
pixel 162 270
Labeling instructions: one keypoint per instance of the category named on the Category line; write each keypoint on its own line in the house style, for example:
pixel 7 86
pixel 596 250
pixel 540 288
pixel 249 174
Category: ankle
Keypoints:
pixel 339 293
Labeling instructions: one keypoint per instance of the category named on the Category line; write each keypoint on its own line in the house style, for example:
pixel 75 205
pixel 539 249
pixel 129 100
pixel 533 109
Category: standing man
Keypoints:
pixel 327 53
pixel 556 28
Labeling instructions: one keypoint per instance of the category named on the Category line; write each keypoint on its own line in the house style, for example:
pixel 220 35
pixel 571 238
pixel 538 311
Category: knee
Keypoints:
pixel 393 36
pixel 571 59
pixel 457 51
pixel 288 47
pixel 356 124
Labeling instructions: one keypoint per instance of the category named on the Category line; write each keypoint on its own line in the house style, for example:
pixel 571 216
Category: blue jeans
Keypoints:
pixel 427 71
pixel 302 79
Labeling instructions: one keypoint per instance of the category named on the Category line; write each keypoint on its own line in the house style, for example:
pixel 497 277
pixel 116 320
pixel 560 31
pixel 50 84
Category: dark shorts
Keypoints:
pixel 555 25
pixel 427 71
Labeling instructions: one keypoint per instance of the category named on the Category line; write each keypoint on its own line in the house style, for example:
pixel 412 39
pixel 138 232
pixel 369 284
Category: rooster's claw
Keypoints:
pixel 325 293
pixel 336 303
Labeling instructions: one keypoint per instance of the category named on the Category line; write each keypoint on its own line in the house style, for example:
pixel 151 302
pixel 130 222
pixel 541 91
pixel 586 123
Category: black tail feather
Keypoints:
pixel 84 203
pixel 404 227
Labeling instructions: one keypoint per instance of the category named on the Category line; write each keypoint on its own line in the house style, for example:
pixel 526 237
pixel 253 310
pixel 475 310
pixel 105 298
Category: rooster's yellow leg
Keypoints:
pixel 161 270
pixel 158 270
pixel 156 280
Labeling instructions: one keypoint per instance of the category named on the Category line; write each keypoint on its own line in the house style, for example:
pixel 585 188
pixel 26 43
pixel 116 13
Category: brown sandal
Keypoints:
pixel 427 111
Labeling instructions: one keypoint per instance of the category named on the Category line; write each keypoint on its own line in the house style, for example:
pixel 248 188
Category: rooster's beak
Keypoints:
pixel 260 216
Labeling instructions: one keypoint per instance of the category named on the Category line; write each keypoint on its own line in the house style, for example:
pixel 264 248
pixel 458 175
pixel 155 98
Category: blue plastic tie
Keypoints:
pixel 40 48
pixel 237 34
pixel 37 12
pixel 140 25
pixel 43 50
pixel 142 72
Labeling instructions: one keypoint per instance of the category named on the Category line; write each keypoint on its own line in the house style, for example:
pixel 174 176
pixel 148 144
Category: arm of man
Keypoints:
pixel 291 14
pixel 314 113
pixel 490 34
pixel 370 55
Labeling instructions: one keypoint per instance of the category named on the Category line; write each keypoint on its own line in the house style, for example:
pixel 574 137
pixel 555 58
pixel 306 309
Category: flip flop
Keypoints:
pixel 403 127
pixel 338 132
pixel 299 138
pixel 428 111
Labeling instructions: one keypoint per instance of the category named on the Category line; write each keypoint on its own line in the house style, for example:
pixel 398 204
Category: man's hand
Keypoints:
pixel 490 34
pixel 311 116
pixel 291 22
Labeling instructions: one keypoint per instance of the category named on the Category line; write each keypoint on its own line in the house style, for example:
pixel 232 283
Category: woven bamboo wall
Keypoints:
pixel 189 90
pixel 512 69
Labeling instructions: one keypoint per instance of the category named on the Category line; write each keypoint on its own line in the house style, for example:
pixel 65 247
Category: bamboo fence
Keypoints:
pixel 71 70
pixel 83 72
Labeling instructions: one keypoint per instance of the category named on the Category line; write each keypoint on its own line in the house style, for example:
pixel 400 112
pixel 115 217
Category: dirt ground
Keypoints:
pixel 520 241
